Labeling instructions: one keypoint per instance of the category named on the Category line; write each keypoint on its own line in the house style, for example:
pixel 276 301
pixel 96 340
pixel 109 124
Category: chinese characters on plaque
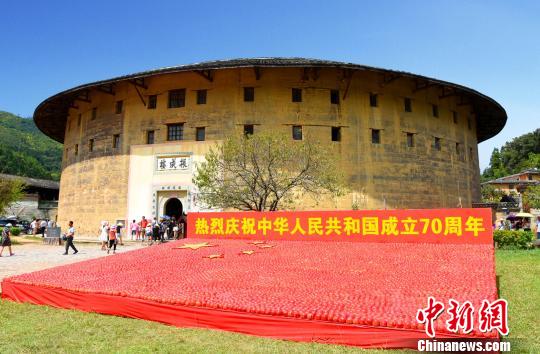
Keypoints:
pixel 173 163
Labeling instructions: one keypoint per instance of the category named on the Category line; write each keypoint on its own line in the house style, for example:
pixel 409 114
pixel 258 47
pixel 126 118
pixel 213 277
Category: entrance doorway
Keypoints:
pixel 173 208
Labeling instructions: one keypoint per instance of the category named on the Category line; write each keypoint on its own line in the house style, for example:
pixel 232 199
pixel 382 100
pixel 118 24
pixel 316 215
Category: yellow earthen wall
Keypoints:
pixel 94 185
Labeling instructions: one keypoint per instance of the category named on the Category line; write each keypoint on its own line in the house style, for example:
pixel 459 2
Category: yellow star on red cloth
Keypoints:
pixel 213 256
pixel 257 242
pixel 248 252
pixel 265 246
pixel 194 246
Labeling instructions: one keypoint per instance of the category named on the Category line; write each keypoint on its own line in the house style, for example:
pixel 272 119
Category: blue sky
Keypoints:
pixel 491 46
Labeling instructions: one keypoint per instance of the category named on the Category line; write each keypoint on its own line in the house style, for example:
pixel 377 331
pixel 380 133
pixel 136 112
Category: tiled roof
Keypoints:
pixel 50 116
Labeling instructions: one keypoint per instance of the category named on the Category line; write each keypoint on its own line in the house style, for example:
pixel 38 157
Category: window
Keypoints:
pixel 116 141
pixel 152 102
pixel 119 106
pixel 76 149
pixel 334 96
pixel 296 95
pixel 79 120
pixel 297 132
pixel 458 148
pixel 200 134
pixel 410 140
pixel 454 117
pixel 201 96
pixel 91 145
pixel 249 94
pixel 177 98
pixel 150 134
pixel 336 133
pixel 248 129
pixel 375 136
pixel 437 143
pixel 373 99
pixel 94 113
pixel 435 110
pixel 407 104
pixel 175 132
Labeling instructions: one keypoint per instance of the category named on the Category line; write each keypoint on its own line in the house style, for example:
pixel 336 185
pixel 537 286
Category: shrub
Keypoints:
pixel 15 231
pixel 512 239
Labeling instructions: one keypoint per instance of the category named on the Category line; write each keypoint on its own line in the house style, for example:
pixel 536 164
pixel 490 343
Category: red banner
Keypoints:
pixel 472 226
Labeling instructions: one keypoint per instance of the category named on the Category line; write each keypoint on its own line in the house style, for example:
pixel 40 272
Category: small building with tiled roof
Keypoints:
pixel 517 182
pixel 40 199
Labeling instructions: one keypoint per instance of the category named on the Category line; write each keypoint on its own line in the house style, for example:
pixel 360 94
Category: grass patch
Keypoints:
pixel 519 283
pixel 30 328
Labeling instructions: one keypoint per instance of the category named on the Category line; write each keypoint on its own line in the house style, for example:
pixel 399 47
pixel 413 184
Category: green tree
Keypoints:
pixel 10 192
pixel 521 153
pixel 490 193
pixel 25 151
pixel 266 171
pixel 531 198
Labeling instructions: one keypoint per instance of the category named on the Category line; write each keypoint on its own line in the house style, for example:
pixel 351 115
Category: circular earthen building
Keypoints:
pixel 131 143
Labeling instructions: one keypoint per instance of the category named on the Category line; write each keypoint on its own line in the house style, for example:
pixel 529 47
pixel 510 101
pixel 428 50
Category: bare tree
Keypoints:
pixel 266 171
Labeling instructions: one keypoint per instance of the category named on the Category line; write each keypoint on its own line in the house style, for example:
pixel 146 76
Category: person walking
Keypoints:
pixel 112 239
pixel 69 239
pixel 6 239
pixel 103 234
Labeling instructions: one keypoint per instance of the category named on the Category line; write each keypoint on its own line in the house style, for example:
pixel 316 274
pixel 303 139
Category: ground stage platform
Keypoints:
pixel 364 294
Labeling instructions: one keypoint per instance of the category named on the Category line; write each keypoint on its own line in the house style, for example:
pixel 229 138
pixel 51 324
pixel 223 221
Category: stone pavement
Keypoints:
pixel 30 257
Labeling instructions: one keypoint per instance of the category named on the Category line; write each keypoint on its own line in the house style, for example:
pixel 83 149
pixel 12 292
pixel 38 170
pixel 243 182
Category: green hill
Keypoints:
pixel 25 151
pixel 517 155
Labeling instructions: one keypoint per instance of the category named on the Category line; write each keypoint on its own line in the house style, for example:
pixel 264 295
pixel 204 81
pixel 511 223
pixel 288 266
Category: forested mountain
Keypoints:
pixel 25 151
pixel 519 154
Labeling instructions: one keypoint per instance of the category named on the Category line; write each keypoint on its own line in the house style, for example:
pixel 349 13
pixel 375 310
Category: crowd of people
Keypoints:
pixel 518 224
pixel 148 230
pixel 145 230
pixel 39 226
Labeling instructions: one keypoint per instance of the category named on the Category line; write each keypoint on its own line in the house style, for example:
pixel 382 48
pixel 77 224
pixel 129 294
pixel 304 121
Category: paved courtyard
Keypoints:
pixel 33 256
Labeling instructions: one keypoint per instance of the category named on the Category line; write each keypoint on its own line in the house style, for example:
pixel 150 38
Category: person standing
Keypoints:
pixel 112 239
pixel 69 239
pixel 155 230
pixel 103 234
pixel 144 224
pixel 148 233
pixel 6 239
pixel 175 230
pixel 33 226
pixel 134 229
pixel 42 227
pixel 119 227
pixel 182 227
pixel 538 228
